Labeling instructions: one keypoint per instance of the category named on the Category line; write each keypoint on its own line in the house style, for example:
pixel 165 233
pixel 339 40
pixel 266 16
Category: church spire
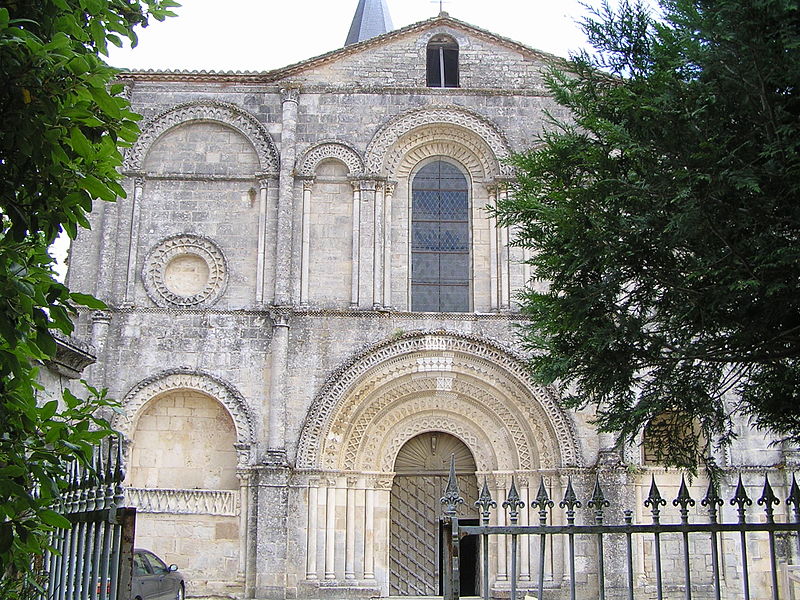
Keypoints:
pixel 371 19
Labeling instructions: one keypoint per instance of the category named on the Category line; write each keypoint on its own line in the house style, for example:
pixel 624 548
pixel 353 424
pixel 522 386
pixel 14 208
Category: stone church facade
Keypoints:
pixel 310 311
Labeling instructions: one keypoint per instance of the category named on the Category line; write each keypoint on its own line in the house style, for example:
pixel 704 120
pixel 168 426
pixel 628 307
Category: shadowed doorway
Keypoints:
pixel 421 470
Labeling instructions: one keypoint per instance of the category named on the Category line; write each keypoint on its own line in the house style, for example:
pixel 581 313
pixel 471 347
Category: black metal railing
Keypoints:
pixel 675 579
pixel 92 560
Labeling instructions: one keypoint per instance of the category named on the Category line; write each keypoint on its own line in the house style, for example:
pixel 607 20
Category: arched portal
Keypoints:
pixel 421 470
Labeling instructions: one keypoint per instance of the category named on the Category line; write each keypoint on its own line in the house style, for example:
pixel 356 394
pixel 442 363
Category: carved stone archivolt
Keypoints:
pixel 157 386
pixel 185 271
pixel 209 110
pixel 436 381
pixel 473 132
pixel 307 165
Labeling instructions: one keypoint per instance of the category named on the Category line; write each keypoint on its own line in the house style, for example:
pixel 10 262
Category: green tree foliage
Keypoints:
pixel 665 215
pixel 62 123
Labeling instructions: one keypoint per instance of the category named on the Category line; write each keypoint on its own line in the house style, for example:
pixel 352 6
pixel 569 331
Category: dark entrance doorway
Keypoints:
pixel 415 556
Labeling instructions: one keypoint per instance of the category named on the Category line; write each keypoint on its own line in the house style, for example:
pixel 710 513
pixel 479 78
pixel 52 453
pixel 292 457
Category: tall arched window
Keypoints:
pixel 440 239
pixel 442 64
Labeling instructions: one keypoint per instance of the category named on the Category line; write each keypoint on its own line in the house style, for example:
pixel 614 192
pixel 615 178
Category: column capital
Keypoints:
pixel 290 94
pixel 307 181
pixel 280 317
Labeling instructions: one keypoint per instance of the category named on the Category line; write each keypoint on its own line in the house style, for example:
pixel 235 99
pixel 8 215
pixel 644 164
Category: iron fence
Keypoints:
pixel 93 559
pixel 676 580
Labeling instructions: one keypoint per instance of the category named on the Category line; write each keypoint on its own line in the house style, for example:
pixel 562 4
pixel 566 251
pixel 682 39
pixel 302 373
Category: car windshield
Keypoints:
pixel 156 563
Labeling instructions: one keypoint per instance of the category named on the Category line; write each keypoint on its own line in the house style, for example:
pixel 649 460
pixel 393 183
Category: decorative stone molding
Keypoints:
pixel 463 146
pixel 207 110
pixel 342 407
pixel 186 379
pixel 290 94
pixel 307 165
pixel 457 117
pixel 185 271
pixel 183 502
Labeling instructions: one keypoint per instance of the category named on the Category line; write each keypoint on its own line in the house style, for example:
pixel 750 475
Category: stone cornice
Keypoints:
pixel 72 356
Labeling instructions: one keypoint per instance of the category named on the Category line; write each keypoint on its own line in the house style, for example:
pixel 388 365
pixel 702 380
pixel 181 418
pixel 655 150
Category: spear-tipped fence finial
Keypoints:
pixel 513 503
pixel 542 502
pixel 741 500
pixel 655 501
pixel 485 502
pixel 712 501
pixel 794 499
pixel 598 501
pixel 684 500
pixel 570 502
pixel 452 496
pixel 768 500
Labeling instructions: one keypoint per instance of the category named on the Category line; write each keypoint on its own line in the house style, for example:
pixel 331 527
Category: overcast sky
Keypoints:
pixel 259 35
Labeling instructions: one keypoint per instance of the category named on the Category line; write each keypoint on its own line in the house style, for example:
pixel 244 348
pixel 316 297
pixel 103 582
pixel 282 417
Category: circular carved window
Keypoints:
pixel 185 270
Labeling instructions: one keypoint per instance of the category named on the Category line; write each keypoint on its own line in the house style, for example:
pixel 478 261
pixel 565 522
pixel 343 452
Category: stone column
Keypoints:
pixel 502 541
pixel 524 520
pixel 133 239
pixel 271 552
pixel 306 234
pixel 311 534
pixel 276 425
pixel 283 242
pixel 387 245
pixel 504 274
pixel 243 474
pixel 350 533
pixel 356 254
pixel 263 188
pixel 330 530
pixel 100 322
pixel 369 531
pixel 377 247
pixel 494 301
pixel 367 240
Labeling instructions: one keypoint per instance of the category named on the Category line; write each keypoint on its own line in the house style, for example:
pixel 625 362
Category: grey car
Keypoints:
pixel 154 580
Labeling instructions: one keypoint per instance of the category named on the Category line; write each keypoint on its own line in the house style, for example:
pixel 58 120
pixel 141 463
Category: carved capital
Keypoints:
pixel 290 94
pixel 280 317
pixel 101 317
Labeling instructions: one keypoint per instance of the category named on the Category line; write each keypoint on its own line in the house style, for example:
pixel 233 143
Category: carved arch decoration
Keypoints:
pixel 187 379
pixel 326 150
pixel 474 388
pixel 472 130
pixel 207 110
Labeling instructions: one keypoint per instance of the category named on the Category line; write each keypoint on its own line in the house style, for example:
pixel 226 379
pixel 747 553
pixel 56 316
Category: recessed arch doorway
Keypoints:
pixel 421 471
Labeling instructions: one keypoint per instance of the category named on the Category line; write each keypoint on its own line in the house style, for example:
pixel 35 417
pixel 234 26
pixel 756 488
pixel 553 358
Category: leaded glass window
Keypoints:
pixel 440 263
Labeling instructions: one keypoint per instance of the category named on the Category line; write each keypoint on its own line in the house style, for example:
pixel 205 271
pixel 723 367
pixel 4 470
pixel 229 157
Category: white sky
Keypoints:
pixel 259 35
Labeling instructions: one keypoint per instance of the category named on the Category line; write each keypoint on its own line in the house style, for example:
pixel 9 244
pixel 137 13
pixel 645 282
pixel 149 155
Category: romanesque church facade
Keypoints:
pixel 311 310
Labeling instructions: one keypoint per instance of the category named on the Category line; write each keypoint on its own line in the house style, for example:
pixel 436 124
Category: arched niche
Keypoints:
pixel 324 151
pixel 205 111
pixel 135 401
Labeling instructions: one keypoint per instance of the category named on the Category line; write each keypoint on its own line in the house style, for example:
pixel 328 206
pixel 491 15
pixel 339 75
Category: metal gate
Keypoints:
pixel 93 559
pixel 415 513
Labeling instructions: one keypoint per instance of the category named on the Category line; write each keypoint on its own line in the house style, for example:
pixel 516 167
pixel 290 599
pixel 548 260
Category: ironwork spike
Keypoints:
pixel 712 501
pixel 119 475
pixel 513 503
pixel 768 500
pixel 452 496
pixel 654 500
pixel 741 500
pixel 684 500
pixel 485 502
pixel 570 502
pixel 794 498
pixel 598 501
pixel 543 502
